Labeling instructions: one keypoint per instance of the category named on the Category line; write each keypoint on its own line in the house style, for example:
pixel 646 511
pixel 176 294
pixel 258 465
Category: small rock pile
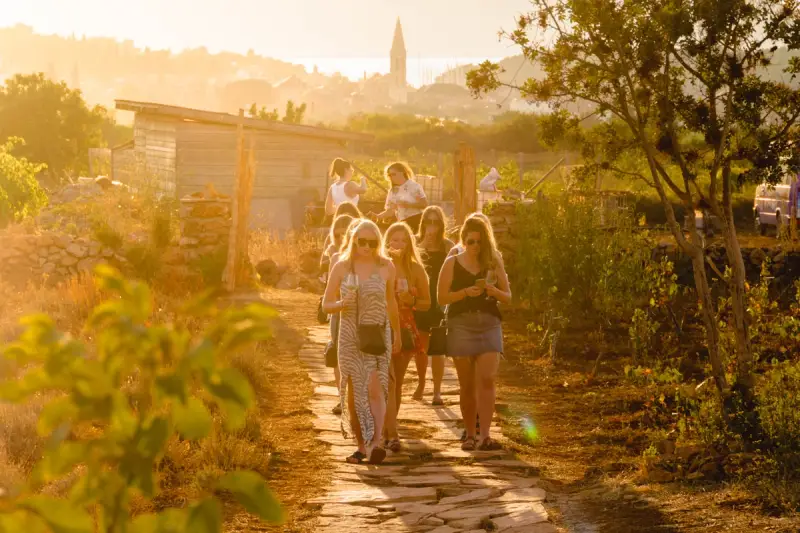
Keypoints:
pixel 205 224
pixel 23 257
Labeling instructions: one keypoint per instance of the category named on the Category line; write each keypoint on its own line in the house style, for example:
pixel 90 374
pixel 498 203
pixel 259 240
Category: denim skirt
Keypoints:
pixel 471 334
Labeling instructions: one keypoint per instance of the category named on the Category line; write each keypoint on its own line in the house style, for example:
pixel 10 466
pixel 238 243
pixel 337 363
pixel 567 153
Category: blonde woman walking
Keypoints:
pixel 361 291
pixel 413 294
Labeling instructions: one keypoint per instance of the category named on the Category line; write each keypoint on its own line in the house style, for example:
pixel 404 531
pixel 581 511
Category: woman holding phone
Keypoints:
pixel 361 290
pixel 471 284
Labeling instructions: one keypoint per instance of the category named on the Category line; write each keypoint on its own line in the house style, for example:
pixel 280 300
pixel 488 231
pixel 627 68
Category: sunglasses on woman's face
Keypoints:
pixel 473 242
pixel 372 243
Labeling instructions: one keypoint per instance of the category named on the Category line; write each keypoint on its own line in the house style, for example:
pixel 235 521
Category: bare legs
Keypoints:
pixel 397 374
pixel 486 373
pixel 437 369
pixel 465 368
pixel 377 405
pixel 355 426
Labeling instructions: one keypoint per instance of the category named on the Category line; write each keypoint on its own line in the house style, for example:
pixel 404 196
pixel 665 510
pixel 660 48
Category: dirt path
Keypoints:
pixel 432 486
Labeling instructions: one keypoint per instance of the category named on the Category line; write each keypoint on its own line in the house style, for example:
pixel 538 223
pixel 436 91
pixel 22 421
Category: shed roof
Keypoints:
pixel 213 117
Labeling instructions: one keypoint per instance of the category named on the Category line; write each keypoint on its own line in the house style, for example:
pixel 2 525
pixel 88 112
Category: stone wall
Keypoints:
pixel 205 225
pixel 24 257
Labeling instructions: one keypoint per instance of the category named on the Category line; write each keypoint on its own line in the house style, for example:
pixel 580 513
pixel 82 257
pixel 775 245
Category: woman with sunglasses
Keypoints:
pixel 471 284
pixel 336 236
pixel 361 291
pixel 434 248
pixel 412 292
pixel 406 199
pixel 343 189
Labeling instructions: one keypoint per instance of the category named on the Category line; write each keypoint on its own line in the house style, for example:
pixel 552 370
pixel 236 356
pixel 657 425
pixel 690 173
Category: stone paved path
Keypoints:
pixel 432 485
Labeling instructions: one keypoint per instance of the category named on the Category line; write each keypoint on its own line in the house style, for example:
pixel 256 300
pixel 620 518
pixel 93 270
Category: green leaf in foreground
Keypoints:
pixel 192 420
pixel 251 491
pixel 168 521
pixel 60 515
pixel 205 517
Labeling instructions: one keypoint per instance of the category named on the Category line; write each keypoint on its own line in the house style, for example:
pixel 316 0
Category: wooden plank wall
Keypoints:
pixel 155 143
pixel 290 170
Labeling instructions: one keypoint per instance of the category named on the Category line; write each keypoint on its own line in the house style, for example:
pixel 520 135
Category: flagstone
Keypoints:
pixel 326 390
pixel 336 509
pixel 422 481
pixel 422 507
pixel 521 483
pixel 522 495
pixel 516 520
pixel 486 510
pixel 472 496
pixel 376 494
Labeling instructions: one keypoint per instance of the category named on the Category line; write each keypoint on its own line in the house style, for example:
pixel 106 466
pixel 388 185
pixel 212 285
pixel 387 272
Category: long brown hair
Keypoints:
pixel 398 165
pixel 341 222
pixel 338 167
pixel 410 254
pixel 489 251
pixel 435 209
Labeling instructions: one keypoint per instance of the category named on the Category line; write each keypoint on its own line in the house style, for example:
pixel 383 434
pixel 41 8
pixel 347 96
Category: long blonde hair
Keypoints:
pixel 410 254
pixel 489 252
pixel 352 231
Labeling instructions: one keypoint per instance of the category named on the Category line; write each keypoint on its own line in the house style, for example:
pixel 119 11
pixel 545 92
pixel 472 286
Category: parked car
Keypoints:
pixel 771 205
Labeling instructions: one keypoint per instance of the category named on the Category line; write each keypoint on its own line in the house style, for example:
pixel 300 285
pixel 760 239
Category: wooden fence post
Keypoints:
pixel 464 181
pixel 240 208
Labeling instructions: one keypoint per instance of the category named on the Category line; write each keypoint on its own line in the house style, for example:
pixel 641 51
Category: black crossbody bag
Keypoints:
pixel 371 337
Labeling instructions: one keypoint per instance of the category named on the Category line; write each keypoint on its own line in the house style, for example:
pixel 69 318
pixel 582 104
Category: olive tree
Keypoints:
pixel 684 87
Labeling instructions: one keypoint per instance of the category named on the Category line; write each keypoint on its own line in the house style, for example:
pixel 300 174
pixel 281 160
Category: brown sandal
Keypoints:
pixel 489 444
pixel 394 445
pixel 469 444
pixel 377 455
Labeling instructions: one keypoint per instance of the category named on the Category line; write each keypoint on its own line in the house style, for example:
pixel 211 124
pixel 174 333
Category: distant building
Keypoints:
pixel 398 63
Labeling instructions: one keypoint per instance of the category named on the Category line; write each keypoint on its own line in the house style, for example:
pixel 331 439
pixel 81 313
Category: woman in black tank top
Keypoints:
pixel 471 284
pixel 433 247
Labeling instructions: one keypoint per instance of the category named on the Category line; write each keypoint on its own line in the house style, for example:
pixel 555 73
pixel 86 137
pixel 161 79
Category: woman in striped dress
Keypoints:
pixel 361 290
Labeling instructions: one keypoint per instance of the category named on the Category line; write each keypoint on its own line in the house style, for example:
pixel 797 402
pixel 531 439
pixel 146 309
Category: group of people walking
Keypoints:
pixel 385 294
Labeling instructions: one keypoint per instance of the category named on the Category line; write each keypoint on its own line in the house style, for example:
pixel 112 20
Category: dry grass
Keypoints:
pixel 289 252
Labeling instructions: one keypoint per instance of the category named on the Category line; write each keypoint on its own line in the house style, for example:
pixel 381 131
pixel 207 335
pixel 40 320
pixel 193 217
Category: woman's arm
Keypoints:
pixel 443 293
pixel 422 284
pixel 351 188
pixel 501 292
pixel 330 302
pixel 330 209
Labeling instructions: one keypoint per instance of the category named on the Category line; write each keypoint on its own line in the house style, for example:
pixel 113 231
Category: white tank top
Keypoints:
pixel 339 196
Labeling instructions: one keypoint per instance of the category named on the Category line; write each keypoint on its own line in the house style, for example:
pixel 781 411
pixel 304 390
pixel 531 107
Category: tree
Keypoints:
pixel 293 115
pixel 681 81
pixel 57 125
pixel 20 192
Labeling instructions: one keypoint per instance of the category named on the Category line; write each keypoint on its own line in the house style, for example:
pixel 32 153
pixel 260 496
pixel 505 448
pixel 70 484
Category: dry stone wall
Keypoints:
pixel 24 257
pixel 205 225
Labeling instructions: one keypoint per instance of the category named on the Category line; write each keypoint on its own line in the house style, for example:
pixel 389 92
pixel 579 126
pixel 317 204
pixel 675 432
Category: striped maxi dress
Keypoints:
pixel 356 366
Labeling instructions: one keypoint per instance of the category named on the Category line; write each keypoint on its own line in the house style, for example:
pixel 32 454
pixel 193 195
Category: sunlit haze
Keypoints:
pixel 348 36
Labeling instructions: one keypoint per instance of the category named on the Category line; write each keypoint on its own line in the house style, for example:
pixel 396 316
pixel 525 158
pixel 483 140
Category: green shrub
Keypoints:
pixel 778 395
pixel 105 234
pixel 162 230
pixel 145 260
pixel 131 426
pixel 211 266
pixel 20 192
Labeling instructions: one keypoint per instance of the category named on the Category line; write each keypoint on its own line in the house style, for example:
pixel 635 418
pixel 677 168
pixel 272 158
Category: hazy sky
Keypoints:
pixel 284 29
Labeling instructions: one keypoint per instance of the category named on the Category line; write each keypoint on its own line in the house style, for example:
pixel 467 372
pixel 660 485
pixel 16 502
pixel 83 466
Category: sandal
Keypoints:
pixel 418 394
pixel 469 444
pixel 394 445
pixel 489 444
pixel 377 455
pixel 463 435
pixel 437 402
pixel 356 459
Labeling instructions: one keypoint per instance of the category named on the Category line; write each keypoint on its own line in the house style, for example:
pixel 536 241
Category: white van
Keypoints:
pixel 771 204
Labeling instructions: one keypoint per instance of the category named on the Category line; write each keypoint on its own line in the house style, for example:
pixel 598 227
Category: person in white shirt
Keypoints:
pixel 343 189
pixel 406 199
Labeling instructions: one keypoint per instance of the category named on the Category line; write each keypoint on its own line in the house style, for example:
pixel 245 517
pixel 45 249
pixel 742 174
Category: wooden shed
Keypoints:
pixel 179 151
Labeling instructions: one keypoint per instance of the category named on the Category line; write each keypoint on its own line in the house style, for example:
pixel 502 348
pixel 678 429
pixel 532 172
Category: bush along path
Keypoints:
pixel 432 485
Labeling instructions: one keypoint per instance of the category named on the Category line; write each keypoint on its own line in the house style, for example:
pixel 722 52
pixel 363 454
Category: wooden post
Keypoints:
pixel 464 181
pixel 229 274
pixel 521 166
